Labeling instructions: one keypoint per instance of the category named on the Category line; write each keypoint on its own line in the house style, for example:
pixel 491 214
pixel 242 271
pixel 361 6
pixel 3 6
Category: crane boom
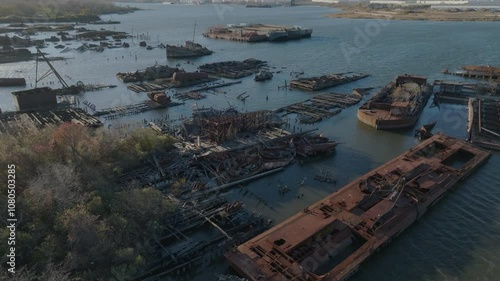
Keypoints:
pixel 59 77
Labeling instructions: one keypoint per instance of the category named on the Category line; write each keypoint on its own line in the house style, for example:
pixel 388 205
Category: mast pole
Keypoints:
pixel 194 30
pixel 36 71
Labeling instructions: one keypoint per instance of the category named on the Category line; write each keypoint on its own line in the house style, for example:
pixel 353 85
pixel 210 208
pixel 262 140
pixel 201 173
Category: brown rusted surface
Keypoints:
pixel 476 71
pixel 331 238
pixel 398 105
pixel 483 125
pixel 325 81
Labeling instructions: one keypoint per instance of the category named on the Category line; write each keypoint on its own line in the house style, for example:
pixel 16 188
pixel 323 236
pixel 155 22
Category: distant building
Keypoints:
pixel 35 99
pixel 421 2
pixel 327 1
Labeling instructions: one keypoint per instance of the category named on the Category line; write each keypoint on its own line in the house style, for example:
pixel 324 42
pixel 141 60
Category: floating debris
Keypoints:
pixel 190 244
pixel 319 107
pixel 133 109
pixel 192 95
pixel 178 80
pixel 34 121
pixel 325 175
pixel 233 69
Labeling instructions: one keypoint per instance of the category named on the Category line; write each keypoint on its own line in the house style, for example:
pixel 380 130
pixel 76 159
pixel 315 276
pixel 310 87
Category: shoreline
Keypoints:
pixel 67 18
pixel 421 13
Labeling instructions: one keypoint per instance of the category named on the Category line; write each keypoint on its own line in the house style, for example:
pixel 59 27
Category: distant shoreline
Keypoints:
pixel 413 13
pixel 67 17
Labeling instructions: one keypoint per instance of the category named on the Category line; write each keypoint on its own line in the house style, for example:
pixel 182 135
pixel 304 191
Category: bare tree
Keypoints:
pixel 60 183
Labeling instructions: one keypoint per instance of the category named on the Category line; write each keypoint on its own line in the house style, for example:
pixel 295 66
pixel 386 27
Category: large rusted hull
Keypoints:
pixel 483 126
pixel 398 105
pixel 371 119
pixel 331 238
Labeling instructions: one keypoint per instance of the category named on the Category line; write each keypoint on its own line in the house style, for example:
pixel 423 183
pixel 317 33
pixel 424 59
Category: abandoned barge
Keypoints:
pixel 476 71
pixel 325 81
pixel 398 105
pixel 483 126
pixel 258 32
pixel 331 238
pixel 459 92
pixel 190 49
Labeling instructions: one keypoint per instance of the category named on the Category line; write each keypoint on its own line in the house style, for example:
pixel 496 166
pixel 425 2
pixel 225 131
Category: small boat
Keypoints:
pixel 263 75
pixel 308 146
pixel 429 126
pixel 424 132
pixel 149 48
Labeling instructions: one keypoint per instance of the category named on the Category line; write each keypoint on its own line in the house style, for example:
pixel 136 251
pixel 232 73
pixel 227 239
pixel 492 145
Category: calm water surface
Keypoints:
pixel 458 240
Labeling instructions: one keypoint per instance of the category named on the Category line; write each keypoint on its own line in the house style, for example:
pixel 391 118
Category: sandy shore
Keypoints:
pixel 357 12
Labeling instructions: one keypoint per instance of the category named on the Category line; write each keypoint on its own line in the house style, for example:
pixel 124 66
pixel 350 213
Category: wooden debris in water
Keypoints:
pixel 321 106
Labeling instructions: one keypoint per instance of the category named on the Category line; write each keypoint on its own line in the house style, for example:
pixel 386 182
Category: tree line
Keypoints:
pixel 75 221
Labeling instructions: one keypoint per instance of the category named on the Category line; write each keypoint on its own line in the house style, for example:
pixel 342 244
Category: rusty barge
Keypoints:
pixel 190 49
pixel 258 32
pixel 331 238
pixel 398 105
pixel 459 92
pixel 476 71
pixel 483 123
pixel 326 81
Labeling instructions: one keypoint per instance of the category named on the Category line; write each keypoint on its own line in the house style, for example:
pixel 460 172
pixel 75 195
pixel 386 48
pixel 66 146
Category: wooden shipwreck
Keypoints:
pixel 331 238
pixel 398 105
pixel 325 81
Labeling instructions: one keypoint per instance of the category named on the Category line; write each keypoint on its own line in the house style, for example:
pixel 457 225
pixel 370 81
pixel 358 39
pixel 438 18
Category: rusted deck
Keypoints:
pixel 331 238
pixel 483 125
pixel 398 105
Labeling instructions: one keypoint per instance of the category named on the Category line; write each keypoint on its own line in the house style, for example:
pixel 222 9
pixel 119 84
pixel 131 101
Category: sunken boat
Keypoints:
pixel 308 146
pixel 190 49
pixel 325 81
pixel 263 75
pixel 398 105
pixel 330 239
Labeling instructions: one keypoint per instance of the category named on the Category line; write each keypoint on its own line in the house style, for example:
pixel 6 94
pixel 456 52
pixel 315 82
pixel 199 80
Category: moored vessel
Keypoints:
pixel 190 49
pixel 330 239
pixel 398 105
